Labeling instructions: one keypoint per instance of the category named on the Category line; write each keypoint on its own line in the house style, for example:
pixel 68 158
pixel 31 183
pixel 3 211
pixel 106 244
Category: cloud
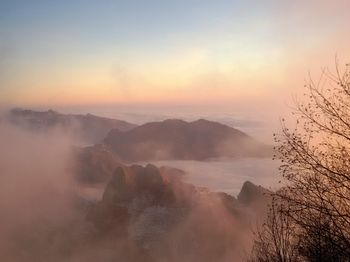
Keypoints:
pixel 36 191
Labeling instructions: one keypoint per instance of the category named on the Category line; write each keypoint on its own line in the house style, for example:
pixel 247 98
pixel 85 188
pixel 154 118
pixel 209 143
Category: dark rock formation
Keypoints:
pixel 167 219
pixel 255 197
pixel 96 164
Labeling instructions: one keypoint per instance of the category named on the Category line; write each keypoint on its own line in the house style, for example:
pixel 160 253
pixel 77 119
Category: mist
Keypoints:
pixel 148 128
pixel 36 191
pixel 44 215
pixel 247 117
pixel 228 175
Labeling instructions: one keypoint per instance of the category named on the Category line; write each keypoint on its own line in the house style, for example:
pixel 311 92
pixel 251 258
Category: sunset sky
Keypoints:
pixel 162 52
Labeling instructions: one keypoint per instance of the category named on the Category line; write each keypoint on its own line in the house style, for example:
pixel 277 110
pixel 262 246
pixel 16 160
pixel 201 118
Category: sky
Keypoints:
pixel 241 55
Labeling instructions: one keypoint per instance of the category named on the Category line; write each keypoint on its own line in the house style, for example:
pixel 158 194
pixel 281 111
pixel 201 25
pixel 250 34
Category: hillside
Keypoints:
pixel 87 128
pixel 94 165
pixel 181 140
pixel 151 217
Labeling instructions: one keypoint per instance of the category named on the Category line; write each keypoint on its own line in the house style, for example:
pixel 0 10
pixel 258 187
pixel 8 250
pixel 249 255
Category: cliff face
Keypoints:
pixel 177 139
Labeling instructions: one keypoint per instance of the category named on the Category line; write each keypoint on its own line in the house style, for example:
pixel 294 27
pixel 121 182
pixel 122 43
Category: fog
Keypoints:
pixel 228 175
pixel 249 118
pixel 36 190
pixel 44 209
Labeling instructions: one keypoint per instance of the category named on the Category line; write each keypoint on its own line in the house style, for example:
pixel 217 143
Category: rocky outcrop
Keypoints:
pixel 96 164
pixel 257 198
pixel 164 218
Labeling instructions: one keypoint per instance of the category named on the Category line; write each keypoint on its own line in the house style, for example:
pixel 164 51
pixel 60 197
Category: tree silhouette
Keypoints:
pixel 275 240
pixel 315 157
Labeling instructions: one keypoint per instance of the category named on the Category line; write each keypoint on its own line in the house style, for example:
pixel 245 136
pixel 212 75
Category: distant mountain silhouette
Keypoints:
pixel 177 139
pixel 88 128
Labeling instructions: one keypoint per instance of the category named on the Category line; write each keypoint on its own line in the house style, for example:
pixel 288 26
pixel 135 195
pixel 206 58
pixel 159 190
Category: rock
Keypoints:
pixel 167 218
pixel 257 198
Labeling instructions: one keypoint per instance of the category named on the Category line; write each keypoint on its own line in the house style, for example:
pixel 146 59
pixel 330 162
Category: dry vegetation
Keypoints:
pixel 310 218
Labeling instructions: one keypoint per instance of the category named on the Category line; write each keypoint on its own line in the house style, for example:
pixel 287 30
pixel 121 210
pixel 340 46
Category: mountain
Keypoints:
pixel 144 214
pixel 157 218
pixel 88 128
pixel 257 198
pixel 94 165
pixel 177 139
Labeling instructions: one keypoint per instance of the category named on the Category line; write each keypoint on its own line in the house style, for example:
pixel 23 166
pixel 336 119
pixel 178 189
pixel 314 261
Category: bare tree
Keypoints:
pixel 316 164
pixel 275 240
pixel 315 159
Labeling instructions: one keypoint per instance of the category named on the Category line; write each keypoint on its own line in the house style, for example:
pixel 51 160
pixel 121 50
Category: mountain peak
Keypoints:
pixel 251 193
pixel 177 139
pixel 174 121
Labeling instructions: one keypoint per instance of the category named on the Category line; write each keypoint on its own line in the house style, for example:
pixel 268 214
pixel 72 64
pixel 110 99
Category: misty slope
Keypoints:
pixel 161 218
pixel 177 139
pixel 87 128
pixel 96 164
pixel 145 214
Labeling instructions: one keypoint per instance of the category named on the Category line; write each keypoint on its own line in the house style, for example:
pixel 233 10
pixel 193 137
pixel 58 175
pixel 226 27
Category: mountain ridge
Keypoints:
pixel 180 140
pixel 90 128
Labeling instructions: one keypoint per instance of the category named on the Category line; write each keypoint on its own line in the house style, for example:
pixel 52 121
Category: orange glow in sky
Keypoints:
pixel 221 52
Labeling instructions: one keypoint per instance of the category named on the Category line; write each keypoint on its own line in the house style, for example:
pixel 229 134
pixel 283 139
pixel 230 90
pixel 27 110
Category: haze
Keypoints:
pixel 246 57
pixel 200 87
